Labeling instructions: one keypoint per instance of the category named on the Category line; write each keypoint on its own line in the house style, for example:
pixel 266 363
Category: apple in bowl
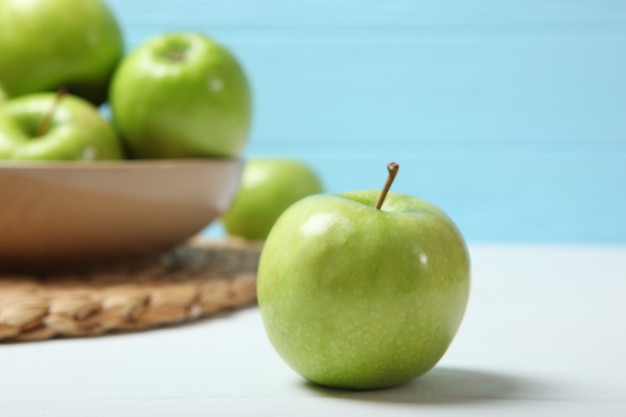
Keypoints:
pixel 55 127
pixel 46 45
pixel 181 95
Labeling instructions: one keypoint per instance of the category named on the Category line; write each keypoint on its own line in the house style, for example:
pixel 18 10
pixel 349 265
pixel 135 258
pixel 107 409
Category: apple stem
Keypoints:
pixel 47 119
pixel 393 168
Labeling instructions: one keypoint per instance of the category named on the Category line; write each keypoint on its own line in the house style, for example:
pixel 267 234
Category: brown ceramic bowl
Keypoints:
pixel 73 212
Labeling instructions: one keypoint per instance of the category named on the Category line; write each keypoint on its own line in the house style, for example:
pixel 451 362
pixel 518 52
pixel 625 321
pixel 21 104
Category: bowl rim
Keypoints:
pixel 133 164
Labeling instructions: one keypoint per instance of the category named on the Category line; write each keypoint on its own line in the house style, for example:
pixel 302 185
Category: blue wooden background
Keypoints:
pixel 509 115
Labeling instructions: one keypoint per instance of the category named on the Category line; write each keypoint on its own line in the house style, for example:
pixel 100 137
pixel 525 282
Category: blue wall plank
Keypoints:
pixel 511 116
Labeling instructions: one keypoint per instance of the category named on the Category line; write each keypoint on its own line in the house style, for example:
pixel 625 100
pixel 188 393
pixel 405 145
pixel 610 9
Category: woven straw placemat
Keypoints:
pixel 195 280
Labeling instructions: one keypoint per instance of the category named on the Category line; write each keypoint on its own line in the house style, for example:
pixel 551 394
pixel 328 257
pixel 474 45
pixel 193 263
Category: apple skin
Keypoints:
pixel 357 298
pixel 49 44
pixel 181 95
pixel 268 186
pixel 3 94
pixel 76 132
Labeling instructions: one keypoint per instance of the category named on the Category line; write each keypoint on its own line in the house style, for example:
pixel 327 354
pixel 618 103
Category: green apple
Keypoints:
pixel 3 94
pixel 267 188
pixel 48 44
pixel 55 127
pixel 360 297
pixel 181 95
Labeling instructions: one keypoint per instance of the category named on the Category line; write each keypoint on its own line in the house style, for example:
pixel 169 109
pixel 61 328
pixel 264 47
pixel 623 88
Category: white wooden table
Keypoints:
pixel 543 336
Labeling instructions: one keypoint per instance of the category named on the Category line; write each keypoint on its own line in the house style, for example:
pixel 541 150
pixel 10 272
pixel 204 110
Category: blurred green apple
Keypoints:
pixel 50 127
pixel 268 187
pixel 3 94
pixel 181 95
pixel 361 297
pixel 48 44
